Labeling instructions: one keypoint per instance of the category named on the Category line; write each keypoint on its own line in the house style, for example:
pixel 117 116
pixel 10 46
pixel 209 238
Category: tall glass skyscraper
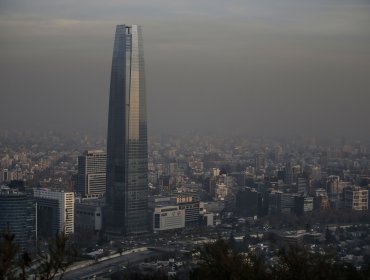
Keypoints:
pixel 127 147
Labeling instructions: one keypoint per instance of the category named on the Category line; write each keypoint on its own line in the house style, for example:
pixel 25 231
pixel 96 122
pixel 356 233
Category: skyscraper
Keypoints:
pixel 127 151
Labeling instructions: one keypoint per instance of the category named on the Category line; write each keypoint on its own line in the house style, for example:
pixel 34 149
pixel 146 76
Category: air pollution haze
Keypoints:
pixel 268 68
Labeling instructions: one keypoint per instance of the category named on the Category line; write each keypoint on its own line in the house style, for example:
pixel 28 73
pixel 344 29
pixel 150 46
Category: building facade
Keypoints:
pixel 55 212
pixel 356 198
pixel 91 180
pixel 88 219
pixel 189 202
pixel 127 151
pixel 247 202
pixel 168 218
pixel 18 213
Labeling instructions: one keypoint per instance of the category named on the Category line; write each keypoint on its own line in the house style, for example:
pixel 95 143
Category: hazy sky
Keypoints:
pixel 265 67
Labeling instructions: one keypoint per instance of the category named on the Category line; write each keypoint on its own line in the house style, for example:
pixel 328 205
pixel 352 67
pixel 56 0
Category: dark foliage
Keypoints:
pixel 8 255
pixel 60 255
pixel 219 261
pixel 46 266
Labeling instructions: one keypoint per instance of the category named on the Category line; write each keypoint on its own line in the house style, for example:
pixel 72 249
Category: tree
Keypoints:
pixel 50 265
pixel 219 261
pixel 295 263
pixel 24 262
pixel 13 264
pixel 329 238
pixel 232 242
pixel 8 254
pixel 60 255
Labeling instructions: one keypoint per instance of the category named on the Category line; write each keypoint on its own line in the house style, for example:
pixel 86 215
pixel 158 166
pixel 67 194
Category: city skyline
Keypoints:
pixel 269 69
pixel 258 139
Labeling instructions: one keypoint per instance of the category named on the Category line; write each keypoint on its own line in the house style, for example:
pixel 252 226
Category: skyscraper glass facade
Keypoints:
pixel 18 213
pixel 127 154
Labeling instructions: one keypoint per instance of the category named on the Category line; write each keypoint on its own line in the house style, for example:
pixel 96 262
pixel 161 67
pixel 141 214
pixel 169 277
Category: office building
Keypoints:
pixel 302 185
pixel 303 204
pixel 168 218
pixel 356 198
pixel 17 212
pixel 320 200
pixel 332 189
pixel 280 203
pixel 91 178
pixel 260 161
pixel 186 201
pixel 127 151
pixel 165 184
pixel 189 202
pixel 55 212
pixel 88 219
pixel 247 202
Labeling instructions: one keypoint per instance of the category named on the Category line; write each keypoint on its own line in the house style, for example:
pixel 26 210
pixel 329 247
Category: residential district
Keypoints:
pixel 259 194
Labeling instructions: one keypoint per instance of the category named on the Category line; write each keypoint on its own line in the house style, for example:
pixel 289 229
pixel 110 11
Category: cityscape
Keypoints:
pixel 245 186
pixel 270 192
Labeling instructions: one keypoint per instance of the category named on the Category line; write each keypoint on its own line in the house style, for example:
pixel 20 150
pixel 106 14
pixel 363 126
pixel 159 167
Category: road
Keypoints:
pixel 109 266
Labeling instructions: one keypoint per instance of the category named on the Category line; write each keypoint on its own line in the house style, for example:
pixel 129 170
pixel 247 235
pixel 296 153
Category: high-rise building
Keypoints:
pixel 302 185
pixel 247 202
pixel 260 161
pixel 127 151
pixel 17 212
pixel 356 198
pixel 91 180
pixel 55 212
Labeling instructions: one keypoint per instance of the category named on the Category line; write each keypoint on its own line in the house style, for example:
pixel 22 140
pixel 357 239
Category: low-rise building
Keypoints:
pixel 168 218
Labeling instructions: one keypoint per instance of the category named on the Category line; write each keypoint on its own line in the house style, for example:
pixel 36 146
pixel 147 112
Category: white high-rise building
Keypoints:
pixel 55 211
pixel 92 167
